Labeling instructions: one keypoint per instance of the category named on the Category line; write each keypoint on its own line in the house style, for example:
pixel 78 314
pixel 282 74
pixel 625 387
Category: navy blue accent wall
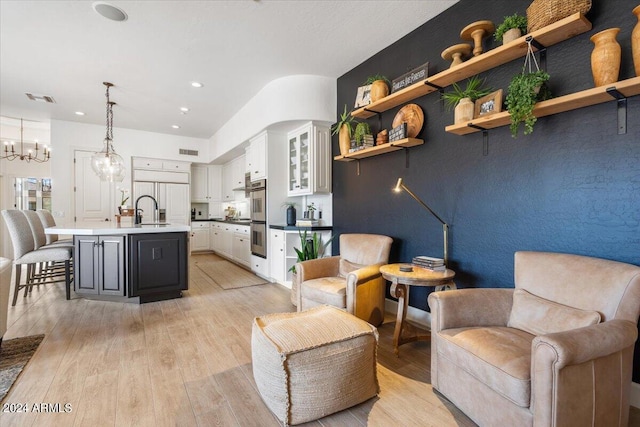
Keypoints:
pixel 572 186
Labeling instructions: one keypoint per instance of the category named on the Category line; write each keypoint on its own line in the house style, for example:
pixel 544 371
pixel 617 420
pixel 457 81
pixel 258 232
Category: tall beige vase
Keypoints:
pixel 635 41
pixel 463 111
pixel 344 139
pixel 605 57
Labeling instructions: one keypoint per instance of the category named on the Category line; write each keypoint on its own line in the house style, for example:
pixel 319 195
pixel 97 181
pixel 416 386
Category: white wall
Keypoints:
pixel 291 98
pixel 67 137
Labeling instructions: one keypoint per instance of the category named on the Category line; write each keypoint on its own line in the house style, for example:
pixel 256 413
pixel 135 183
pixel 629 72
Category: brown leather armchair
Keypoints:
pixel 555 351
pixel 351 281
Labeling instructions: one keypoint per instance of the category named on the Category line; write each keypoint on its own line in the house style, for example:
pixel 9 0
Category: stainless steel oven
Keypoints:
pixel 258 211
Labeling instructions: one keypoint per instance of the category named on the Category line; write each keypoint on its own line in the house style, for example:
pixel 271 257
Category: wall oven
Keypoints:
pixel 258 210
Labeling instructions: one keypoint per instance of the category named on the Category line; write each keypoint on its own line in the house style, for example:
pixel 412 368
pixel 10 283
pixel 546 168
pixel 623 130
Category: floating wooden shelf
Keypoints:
pixel 573 101
pixel 380 149
pixel 547 36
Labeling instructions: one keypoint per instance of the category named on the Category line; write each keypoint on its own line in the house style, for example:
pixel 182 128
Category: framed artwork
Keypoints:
pixel 363 96
pixel 489 104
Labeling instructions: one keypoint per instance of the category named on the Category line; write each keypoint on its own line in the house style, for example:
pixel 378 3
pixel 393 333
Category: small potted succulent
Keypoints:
pixel 512 27
pixel 462 100
pixel 362 129
pixel 379 86
pixel 344 130
pixel 525 90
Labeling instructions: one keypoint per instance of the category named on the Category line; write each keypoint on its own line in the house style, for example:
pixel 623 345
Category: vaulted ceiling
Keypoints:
pixel 65 50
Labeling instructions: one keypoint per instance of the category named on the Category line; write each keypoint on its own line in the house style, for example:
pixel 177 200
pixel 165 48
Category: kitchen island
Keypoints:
pixel 126 261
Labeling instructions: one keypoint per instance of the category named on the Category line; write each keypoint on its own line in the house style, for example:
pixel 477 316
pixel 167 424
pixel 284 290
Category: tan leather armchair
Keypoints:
pixel 555 351
pixel 351 281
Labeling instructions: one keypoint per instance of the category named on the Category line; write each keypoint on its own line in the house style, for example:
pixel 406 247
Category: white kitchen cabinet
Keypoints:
pixel 241 245
pixel 256 161
pixel 160 165
pixel 226 240
pixel 199 184
pixel 233 178
pixel 200 236
pixel 309 160
pixel 276 255
pixel 283 255
pixel 206 183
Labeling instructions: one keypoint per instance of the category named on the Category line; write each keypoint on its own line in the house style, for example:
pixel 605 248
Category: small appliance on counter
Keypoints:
pixel 193 213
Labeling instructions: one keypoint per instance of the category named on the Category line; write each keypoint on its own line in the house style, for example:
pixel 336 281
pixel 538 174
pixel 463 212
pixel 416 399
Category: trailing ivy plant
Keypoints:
pixel 474 89
pixel 524 91
pixel 511 22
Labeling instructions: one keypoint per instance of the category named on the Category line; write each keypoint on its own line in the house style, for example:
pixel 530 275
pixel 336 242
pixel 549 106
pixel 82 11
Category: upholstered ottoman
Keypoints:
pixel 310 364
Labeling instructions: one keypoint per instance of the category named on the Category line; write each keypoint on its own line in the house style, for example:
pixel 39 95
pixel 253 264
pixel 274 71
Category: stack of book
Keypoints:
pixel 433 264
pixel 307 222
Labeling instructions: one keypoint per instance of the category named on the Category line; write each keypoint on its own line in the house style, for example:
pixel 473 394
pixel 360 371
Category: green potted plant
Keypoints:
pixel 512 27
pixel 379 86
pixel 462 100
pixel 344 130
pixel 361 130
pixel 312 248
pixel 525 90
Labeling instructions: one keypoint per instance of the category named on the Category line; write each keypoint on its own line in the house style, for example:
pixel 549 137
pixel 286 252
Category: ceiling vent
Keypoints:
pixel 188 152
pixel 40 98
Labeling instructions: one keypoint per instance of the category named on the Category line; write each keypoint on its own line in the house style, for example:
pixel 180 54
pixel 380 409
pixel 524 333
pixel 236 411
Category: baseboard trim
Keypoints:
pixel 423 318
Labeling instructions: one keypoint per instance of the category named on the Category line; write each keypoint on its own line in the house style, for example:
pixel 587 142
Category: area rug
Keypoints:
pixel 14 355
pixel 227 275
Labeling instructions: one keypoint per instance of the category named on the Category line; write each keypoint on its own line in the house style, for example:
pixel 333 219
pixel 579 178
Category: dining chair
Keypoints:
pixel 25 253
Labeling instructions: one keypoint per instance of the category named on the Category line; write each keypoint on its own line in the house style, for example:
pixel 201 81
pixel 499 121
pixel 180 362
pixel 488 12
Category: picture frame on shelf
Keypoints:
pixel 489 104
pixel 363 97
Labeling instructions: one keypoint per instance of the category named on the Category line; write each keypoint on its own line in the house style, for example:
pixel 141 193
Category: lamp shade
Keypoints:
pixel 107 164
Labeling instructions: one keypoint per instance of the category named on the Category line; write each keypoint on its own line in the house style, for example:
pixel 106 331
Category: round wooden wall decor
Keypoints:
pixel 412 115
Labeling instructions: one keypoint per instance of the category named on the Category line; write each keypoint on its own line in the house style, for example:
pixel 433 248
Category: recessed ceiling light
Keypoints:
pixel 184 109
pixel 196 84
pixel 79 113
pixel 175 126
pixel 109 11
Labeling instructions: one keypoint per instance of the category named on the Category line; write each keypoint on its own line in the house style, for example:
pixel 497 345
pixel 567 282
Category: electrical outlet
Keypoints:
pixel 58 214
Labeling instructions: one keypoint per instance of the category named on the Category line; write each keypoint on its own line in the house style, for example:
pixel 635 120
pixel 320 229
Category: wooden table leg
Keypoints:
pixel 400 291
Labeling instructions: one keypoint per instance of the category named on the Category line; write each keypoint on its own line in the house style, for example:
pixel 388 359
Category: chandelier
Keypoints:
pixel 107 164
pixel 31 155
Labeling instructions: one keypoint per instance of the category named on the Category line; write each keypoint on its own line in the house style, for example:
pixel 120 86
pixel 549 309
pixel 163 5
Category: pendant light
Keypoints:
pixel 31 155
pixel 107 164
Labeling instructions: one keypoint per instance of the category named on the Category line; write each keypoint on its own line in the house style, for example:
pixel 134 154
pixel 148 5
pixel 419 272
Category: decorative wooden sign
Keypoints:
pixel 413 76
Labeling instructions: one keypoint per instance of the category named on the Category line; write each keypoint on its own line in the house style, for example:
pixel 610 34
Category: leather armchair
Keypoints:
pixel 351 281
pixel 555 351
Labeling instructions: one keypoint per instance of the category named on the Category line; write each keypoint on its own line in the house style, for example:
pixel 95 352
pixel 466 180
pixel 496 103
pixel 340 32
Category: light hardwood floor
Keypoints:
pixel 186 362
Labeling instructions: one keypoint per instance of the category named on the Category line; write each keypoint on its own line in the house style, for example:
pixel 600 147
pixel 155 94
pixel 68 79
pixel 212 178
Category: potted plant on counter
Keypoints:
pixel 512 27
pixel 379 86
pixel 462 100
pixel 344 130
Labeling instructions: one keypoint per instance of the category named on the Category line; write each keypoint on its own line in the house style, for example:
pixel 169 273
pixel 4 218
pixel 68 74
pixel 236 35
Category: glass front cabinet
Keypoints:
pixel 309 160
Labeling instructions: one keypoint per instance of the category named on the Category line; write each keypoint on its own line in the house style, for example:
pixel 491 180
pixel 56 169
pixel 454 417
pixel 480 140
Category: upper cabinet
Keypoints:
pixel 206 183
pixel 233 178
pixel 256 160
pixel 309 159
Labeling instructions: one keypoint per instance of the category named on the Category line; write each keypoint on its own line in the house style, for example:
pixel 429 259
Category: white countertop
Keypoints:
pixel 112 228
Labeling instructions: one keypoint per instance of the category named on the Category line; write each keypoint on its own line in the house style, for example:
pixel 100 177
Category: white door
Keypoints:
pixel 93 197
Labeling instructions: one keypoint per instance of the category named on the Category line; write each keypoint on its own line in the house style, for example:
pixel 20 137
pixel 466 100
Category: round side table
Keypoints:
pixel 401 281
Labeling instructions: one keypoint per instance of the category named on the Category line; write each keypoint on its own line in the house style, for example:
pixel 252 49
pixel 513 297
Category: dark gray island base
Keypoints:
pixel 128 263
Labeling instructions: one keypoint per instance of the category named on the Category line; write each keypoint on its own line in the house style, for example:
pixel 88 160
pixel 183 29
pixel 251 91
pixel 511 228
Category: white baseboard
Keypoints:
pixel 423 318
pixel 415 315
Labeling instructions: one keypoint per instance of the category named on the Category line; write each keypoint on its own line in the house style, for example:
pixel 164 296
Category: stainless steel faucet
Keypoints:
pixel 138 216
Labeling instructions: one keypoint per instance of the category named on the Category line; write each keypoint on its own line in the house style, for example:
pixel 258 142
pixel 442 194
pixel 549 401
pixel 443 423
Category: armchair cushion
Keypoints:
pixel 326 290
pixel 540 316
pixel 498 356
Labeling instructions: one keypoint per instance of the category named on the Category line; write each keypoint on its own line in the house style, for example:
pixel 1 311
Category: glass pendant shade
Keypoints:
pixel 107 164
